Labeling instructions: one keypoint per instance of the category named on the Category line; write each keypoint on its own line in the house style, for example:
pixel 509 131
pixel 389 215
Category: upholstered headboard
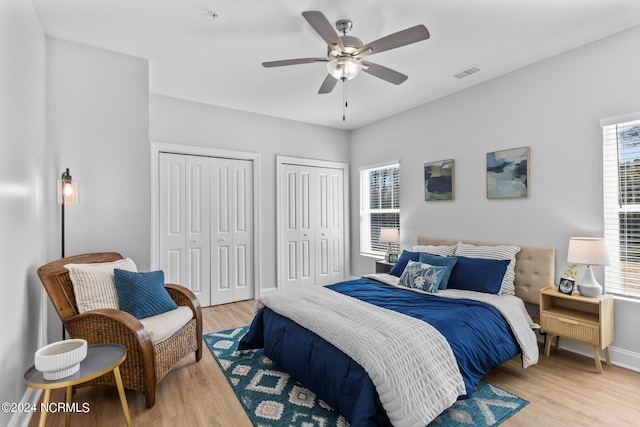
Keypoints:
pixel 535 267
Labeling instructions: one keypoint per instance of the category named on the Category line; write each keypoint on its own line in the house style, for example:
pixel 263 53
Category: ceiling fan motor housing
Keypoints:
pixel 350 43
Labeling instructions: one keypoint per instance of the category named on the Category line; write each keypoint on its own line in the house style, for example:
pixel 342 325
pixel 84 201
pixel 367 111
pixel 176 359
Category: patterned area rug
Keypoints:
pixel 272 399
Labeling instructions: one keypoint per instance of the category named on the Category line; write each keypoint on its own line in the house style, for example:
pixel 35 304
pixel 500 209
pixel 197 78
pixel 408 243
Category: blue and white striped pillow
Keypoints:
pixel 494 252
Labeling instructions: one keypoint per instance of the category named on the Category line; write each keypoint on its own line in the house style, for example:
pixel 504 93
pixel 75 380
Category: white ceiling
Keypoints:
pixel 218 61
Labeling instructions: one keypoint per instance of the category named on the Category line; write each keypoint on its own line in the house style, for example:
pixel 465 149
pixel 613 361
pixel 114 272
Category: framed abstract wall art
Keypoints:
pixel 508 173
pixel 438 180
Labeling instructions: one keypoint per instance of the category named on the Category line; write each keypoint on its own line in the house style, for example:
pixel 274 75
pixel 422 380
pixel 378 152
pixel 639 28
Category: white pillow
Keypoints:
pixel 436 250
pixel 494 252
pixel 94 285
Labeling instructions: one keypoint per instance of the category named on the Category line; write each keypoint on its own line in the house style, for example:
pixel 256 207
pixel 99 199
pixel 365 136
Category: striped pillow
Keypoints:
pixel 494 252
pixel 441 250
pixel 94 285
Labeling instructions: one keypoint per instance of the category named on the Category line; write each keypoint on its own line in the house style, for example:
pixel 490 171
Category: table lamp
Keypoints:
pixel 389 235
pixel 588 251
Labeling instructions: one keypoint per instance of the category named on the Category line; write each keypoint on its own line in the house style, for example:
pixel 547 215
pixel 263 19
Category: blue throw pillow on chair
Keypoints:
pixel 142 294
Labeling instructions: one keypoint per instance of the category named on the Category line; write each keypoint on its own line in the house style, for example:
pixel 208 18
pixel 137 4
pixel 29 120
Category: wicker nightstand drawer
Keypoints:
pixel 571 328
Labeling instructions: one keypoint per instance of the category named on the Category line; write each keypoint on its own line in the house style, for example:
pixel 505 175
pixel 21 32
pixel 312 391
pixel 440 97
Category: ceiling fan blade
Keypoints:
pixel 328 84
pixel 293 62
pixel 392 41
pixel 322 26
pixel 384 73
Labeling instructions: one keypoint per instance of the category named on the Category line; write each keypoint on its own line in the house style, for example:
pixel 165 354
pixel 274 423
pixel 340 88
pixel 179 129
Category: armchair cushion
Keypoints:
pixel 162 326
pixel 93 283
pixel 143 294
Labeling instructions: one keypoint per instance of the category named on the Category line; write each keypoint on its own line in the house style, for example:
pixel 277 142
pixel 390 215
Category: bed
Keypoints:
pixel 381 352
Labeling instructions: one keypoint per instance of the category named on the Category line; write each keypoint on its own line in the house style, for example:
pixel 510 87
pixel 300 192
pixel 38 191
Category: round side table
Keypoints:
pixel 101 359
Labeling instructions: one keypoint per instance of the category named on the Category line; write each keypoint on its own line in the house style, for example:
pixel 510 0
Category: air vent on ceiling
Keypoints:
pixel 467 72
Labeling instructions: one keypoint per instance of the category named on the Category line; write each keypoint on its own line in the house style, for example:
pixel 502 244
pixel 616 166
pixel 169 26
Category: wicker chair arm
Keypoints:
pixel 184 296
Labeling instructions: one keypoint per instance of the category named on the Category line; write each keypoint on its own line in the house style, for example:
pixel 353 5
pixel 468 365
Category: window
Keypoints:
pixel 622 207
pixel 379 206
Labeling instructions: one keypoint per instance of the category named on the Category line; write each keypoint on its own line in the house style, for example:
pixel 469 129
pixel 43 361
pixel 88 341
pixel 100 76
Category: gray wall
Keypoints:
pixel 554 108
pixel 179 121
pixel 98 127
pixel 22 124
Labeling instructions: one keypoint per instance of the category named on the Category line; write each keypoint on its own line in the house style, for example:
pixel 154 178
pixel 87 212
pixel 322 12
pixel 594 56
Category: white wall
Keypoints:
pixel 179 121
pixel 22 124
pixel 553 107
pixel 98 127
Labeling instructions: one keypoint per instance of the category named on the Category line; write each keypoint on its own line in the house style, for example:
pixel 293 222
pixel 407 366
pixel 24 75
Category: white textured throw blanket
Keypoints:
pixel 410 363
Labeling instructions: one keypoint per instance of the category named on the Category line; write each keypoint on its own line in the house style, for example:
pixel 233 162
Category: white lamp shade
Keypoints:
pixel 389 235
pixel 588 250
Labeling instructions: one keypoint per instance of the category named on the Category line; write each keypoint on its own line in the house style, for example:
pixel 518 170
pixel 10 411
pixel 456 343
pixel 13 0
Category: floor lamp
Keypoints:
pixel 67 195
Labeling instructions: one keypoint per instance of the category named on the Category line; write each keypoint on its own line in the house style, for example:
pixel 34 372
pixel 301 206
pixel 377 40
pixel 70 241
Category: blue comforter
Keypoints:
pixel 477 333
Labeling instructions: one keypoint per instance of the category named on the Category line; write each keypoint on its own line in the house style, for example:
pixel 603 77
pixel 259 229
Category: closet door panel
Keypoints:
pixel 242 211
pixel 172 216
pixel 184 222
pixel 221 231
pixel 198 234
pixel 336 225
pixel 306 231
pixel 322 236
pixel 290 209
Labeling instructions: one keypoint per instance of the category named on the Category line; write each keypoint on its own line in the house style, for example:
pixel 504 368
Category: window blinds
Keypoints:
pixel 379 206
pixel 621 162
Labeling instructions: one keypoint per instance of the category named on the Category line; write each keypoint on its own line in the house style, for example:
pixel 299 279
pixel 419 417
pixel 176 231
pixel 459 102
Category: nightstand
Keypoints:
pixel 588 320
pixel 383 266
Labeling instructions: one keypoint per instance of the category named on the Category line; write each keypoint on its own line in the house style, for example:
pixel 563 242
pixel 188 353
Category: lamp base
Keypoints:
pixel 589 286
pixel 387 256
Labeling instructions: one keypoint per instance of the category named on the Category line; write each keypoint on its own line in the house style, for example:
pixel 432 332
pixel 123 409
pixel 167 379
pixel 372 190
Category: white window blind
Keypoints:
pixel 622 207
pixel 379 206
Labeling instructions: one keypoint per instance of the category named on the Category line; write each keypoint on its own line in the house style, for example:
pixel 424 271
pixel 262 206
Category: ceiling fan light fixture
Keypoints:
pixel 344 68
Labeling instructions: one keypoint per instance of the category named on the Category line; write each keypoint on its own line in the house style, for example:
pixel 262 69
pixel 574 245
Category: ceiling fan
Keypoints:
pixel 345 53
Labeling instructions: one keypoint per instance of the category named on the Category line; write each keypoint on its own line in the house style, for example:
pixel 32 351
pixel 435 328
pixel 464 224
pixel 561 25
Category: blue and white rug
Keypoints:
pixel 272 398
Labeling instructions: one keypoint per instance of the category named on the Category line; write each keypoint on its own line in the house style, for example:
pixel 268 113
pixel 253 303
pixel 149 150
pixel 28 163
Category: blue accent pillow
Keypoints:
pixel 419 275
pixel 142 294
pixel 478 274
pixel 443 261
pixel 405 257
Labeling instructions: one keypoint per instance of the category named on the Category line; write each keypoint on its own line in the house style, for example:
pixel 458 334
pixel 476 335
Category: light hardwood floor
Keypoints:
pixel 563 390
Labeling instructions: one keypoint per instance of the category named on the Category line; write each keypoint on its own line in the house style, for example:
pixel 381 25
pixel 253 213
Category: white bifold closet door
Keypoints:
pixel 206 226
pixel 231 230
pixel 311 225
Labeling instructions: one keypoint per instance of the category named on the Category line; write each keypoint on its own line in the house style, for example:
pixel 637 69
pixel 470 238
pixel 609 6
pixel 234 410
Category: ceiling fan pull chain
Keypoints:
pixel 344 99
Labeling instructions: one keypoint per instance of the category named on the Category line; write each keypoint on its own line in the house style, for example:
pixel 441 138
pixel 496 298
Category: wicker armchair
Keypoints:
pixel 146 364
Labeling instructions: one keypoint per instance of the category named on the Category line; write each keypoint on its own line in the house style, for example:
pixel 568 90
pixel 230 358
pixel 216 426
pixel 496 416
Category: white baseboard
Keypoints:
pixel 619 356
pixel 21 419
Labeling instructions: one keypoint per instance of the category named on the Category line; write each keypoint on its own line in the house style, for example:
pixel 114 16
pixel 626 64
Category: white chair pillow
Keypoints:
pixel 94 285
pixel 162 326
